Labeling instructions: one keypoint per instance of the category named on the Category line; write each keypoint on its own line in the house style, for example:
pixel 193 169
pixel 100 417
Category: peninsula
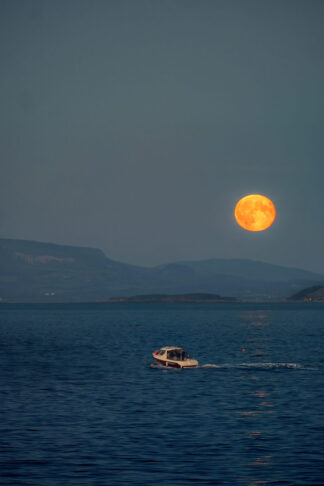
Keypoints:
pixel 310 294
pixel 195 297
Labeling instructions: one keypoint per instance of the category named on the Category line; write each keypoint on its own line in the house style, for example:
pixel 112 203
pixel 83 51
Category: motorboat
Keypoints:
pixel 174 357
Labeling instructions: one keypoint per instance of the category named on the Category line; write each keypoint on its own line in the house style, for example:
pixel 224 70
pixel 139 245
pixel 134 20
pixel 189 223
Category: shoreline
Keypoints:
pixel 170 301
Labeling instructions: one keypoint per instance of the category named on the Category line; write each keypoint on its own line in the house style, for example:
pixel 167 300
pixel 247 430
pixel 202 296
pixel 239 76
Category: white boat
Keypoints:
pixel 174 357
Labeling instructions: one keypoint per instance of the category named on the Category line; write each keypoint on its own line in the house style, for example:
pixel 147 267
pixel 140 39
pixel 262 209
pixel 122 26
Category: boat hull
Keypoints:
pixel 192 363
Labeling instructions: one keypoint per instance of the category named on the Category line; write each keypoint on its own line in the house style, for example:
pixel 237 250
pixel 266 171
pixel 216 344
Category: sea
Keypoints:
pixel 81 402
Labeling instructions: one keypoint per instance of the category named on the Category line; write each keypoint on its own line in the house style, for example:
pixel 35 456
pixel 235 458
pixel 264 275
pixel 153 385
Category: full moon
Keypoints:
pixel 255 212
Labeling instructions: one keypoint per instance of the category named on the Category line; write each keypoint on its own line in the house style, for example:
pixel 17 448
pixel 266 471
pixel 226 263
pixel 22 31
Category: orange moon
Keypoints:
pixel 255 212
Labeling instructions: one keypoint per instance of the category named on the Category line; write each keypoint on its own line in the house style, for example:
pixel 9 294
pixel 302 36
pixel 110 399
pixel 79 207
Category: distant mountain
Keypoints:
pixel 37 272
pixel 243 278
pixel 311 294
pixel 45 272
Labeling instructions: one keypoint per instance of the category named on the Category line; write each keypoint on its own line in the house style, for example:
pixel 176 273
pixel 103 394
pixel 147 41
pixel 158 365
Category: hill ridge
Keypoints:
pixel 32 271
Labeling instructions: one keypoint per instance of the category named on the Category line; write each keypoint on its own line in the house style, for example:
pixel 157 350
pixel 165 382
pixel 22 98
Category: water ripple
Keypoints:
pixel 81 405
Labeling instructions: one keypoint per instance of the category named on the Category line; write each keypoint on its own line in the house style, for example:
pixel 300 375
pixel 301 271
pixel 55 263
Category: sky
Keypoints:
pixel 134 126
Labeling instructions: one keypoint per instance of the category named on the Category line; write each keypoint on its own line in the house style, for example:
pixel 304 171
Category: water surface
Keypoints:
pixel 81 403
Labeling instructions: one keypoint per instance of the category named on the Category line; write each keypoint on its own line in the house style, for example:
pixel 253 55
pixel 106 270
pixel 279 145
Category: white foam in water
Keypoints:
pixel 254 366
pixel 271 365
pixel 210 366
pixel 258 366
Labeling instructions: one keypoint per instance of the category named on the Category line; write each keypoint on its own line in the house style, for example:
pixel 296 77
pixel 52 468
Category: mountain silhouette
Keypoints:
pixel 31 271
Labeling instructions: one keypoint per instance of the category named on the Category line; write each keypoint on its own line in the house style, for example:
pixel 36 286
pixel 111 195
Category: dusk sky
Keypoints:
pixel 135 126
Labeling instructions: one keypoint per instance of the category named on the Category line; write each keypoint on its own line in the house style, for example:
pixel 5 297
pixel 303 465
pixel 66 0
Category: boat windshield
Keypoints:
pixel 177 354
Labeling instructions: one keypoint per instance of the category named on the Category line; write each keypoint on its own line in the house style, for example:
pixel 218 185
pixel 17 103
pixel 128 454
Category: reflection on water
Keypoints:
pixel 256 325
pixel 261 461
pixel 257 344
pixel 255 434
pixel 259 393
pixel 247 413
pixel 258 483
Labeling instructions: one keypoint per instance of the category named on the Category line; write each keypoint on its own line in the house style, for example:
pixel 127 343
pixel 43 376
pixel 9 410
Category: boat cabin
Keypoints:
pixel 173 353
pixel 175 357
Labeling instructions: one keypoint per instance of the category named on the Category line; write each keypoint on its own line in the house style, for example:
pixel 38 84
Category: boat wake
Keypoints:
pixel 211 366
pixel 158 366
pixel 244 366
pixel 260 366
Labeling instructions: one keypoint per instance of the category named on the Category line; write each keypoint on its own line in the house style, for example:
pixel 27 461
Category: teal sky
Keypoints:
pixel 135 126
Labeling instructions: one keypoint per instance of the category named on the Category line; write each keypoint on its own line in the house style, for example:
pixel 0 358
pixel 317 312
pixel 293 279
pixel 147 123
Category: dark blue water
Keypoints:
pixel 81 405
